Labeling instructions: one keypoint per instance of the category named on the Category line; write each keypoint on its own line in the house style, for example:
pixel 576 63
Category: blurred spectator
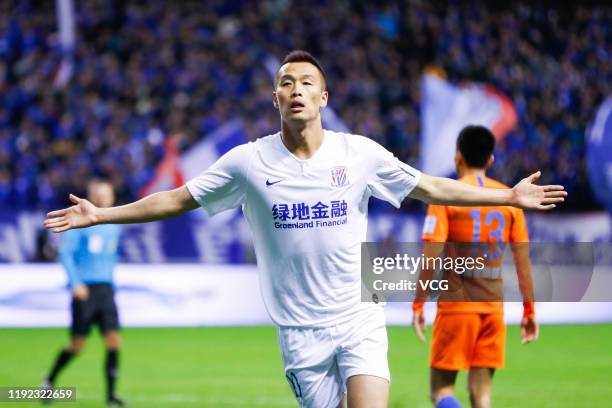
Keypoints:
pixel 46 248
pixel 144 70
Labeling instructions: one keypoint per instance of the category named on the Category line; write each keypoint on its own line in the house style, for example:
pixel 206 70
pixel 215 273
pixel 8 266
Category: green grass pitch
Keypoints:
pixel 570 366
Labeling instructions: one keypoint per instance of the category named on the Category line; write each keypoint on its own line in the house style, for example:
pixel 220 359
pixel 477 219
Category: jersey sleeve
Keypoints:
pixel 518 230
pixel 68 249
pixel 223 185
pixel 435 227
pixel 391 180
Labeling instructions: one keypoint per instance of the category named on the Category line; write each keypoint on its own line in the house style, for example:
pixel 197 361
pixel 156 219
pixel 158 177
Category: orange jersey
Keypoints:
pixel 476 224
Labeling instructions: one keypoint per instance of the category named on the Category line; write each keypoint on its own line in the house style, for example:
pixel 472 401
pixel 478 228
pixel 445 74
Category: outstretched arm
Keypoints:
pixel 440 190
pixel 155 207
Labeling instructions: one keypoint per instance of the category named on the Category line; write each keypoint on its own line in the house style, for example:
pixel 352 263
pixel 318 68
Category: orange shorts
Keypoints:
pixel 464 340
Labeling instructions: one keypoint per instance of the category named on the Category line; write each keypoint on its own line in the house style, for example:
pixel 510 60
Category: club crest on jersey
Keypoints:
pixel 339 177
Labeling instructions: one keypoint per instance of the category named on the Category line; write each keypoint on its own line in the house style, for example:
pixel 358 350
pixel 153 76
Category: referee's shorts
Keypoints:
pixel 99 308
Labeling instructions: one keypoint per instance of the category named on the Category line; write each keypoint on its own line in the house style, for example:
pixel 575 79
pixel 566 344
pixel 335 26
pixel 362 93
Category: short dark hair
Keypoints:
pixel 99 181
pixel 476 144
pixel 305 56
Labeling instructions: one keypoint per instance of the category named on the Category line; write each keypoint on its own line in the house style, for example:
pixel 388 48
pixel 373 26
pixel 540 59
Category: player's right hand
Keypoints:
pixel 418 321
pixel 82 214
pixel 80 292
pixel 530 330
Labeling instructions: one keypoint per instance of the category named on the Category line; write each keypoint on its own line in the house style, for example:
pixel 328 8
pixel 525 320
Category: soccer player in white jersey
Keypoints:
pixel 304 192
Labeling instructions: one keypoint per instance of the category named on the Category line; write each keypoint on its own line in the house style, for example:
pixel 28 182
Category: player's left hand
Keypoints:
pixel 527 195
pixel 418 321
pixel 529 330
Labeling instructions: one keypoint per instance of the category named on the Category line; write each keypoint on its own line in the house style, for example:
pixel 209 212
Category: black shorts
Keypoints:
pixel 99 308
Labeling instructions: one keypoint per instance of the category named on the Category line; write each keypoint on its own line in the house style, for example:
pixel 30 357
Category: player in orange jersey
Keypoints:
pixel 471 335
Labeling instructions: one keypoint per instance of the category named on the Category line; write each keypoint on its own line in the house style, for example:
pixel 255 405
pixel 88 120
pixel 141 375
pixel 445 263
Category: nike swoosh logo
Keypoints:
pixel 271 183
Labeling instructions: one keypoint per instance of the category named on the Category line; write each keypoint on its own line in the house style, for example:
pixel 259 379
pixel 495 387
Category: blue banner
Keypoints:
pixel 599 154
pixel 226 238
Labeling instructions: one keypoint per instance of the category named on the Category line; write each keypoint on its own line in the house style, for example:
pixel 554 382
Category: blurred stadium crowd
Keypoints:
pixel 146 69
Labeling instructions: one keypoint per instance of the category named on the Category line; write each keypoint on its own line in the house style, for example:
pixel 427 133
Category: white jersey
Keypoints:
pixel 308 218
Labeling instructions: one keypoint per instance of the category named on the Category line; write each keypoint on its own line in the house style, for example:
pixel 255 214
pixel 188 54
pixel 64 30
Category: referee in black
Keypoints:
pixel 89 256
